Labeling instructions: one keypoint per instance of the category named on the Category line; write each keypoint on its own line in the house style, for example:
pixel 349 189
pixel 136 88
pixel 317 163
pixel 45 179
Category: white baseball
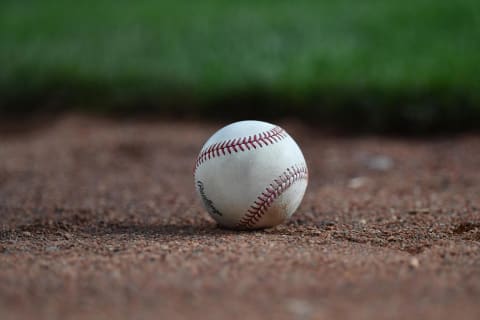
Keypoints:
pixel 251 174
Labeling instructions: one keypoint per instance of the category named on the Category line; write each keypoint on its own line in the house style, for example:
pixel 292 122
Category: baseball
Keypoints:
pixel 250 175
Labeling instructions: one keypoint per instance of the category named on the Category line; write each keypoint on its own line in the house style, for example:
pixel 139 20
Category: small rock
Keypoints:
pixel 113 249
pixel 414 263
pixel 380 163
pixel 27 233
pixel 358 182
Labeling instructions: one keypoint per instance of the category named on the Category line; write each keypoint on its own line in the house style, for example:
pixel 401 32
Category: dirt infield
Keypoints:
pixel 99 220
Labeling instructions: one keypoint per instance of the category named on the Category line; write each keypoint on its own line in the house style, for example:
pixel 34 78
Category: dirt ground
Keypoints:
pixel 100 220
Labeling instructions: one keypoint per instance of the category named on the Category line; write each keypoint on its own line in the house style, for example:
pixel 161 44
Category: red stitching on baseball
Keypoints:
pixel 240 145
pixel 273 191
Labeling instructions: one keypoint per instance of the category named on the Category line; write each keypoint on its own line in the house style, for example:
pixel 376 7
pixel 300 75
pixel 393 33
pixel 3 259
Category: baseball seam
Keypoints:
pixel 242 144
pixel 265 200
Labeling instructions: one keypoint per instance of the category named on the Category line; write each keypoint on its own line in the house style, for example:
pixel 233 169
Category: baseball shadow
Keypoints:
pixel 94 227
pixel 157 231
pixel 127 231
pixel 197 229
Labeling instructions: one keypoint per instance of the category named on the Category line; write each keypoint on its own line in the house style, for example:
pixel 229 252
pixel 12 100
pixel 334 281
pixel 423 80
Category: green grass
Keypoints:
pixel 362 63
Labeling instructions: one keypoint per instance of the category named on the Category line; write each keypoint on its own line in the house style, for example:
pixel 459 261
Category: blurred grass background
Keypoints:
pixel 408 66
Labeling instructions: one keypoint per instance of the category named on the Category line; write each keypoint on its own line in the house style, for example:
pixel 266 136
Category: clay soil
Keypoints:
pixel 100 220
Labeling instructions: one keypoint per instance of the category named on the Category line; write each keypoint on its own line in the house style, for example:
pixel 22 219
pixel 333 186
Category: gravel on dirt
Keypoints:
pixel 99 220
